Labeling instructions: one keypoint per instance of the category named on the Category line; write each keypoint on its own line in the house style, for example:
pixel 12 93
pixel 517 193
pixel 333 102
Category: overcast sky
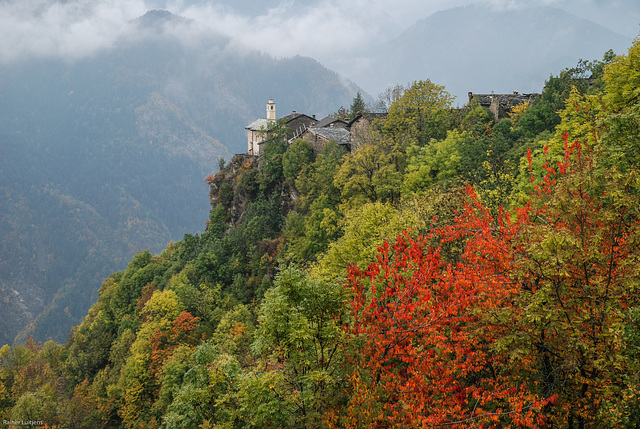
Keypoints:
pixel 331 31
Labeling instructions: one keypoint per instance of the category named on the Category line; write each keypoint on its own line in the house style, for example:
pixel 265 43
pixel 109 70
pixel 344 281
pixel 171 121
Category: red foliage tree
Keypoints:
pixel 183 331
pixel 578 268
pixel 425 333
pixel 527 330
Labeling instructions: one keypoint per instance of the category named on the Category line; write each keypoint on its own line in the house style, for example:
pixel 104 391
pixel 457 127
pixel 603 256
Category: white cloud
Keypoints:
pixel 326 29
pixel 333 31
pixel 323 29
pixel 73 29
pixel 336 33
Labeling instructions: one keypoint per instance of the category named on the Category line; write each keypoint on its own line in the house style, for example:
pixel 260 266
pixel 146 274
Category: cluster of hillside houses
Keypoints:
pixel 316 132
pixel 352 134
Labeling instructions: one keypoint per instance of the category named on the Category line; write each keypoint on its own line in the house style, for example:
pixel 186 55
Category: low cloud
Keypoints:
pixel 338 34
pixel 335 32
pixel 40 28
pixel 520 4
pixel 325 29
pixel 322 29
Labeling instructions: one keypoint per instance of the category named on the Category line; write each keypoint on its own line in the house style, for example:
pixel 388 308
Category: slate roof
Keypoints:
pixel 339 134
pixel 262 122
pixel 294 115
pixel 484 100
pixel 330 121
pixel 258 124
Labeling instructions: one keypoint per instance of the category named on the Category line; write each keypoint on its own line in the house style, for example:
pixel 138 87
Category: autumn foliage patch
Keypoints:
pixel 521 331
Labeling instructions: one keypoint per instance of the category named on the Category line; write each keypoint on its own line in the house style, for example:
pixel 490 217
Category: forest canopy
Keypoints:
pixel 453 271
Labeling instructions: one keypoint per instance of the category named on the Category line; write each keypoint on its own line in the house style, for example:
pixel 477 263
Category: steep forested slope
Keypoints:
pixel 103 156
pixel 451 270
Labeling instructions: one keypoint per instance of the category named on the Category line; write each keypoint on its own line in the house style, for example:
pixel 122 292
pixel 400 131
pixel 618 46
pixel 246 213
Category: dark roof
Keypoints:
pixel 482 99
pixel 294 115
pixel 330 121
pixel 262 123
pixel 339 134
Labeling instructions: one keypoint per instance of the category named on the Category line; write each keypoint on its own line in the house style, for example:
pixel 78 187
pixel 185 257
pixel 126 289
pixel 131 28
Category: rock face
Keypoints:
pixel 235 186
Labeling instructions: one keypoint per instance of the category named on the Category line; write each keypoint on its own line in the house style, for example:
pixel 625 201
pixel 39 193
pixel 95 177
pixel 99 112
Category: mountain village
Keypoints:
pixel 354 133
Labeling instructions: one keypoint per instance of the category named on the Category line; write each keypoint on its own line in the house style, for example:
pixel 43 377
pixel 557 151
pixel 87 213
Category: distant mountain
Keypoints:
pixel 480 48
pixel 620 16
pixel 104 156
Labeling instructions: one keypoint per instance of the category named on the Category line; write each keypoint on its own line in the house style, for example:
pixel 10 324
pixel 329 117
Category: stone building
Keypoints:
pixel 501 104
pixel 350 135
pixel 299 122
pixel 331 122
pixel 257 131
pixel 361 128
pixel 317 137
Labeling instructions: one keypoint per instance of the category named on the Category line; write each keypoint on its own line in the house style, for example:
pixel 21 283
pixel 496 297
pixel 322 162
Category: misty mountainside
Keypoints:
pixel 105 156
pixel 479 48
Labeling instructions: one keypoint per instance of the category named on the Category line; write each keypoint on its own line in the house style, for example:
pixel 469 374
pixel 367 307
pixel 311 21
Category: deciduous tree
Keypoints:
pixel 420 114
pixel 299 339
pixel 423 348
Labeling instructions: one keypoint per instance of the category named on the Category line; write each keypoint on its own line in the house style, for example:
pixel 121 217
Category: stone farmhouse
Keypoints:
pixel 350 135
pixel 317 137
pixel 501 104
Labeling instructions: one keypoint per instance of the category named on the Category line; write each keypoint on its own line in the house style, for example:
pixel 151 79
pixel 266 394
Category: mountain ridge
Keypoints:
pixel 506 50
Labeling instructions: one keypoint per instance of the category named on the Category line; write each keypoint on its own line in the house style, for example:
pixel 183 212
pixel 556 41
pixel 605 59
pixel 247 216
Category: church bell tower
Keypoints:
pixel 271 110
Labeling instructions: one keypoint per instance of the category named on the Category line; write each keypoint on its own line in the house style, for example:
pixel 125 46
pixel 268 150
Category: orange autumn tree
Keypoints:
pixel 425 333
pixel 531 328
pixel 184 330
